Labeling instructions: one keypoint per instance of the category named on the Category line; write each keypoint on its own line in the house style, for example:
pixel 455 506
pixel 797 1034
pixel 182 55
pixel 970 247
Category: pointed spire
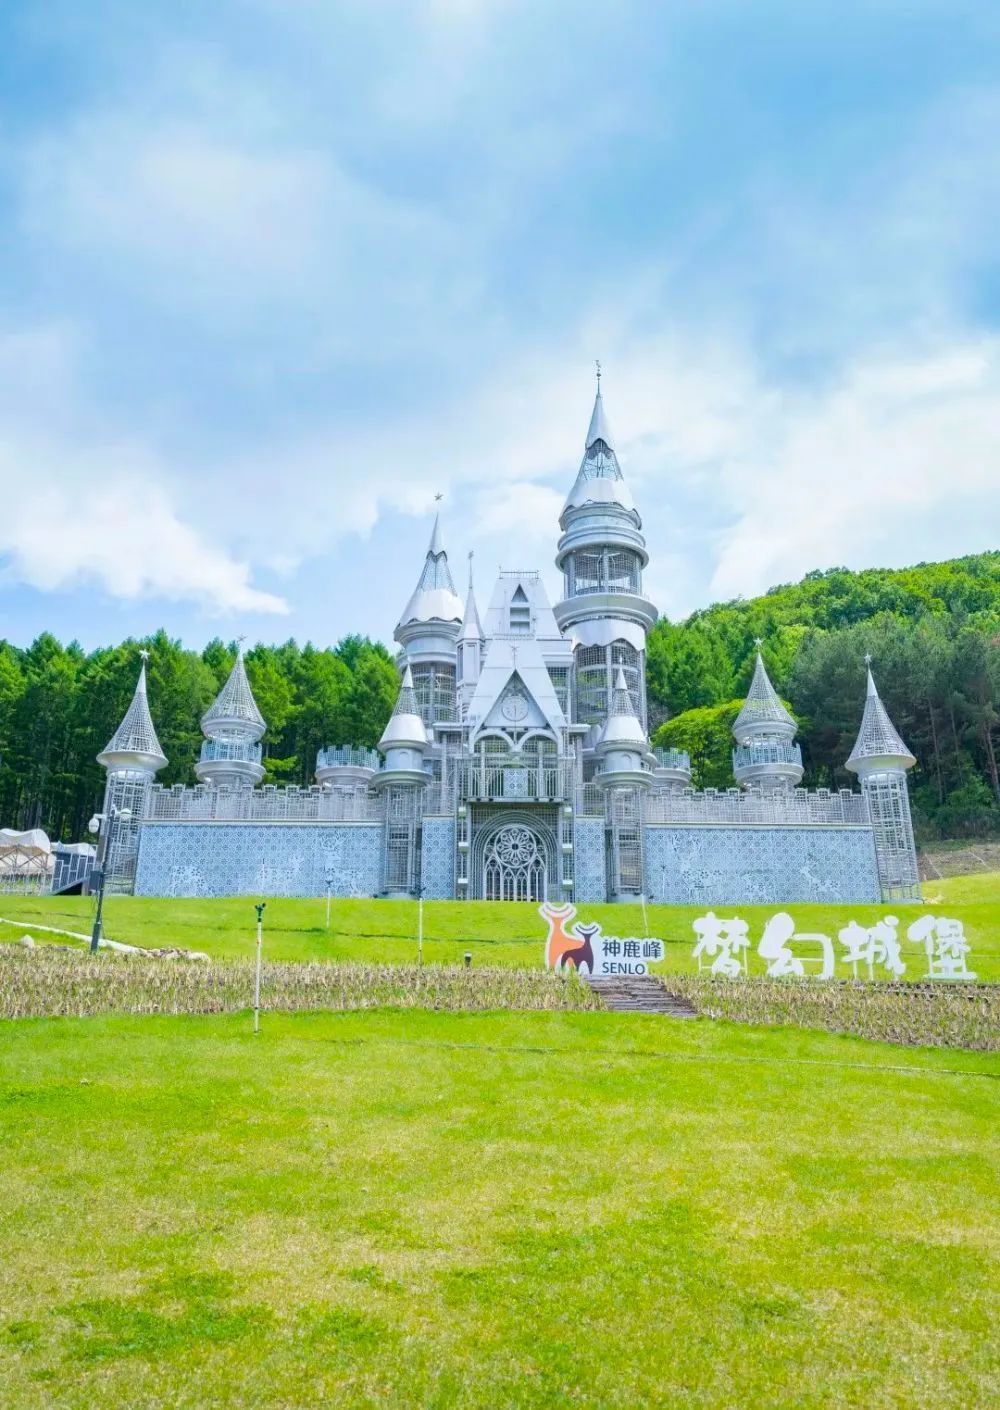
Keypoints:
pixel 878 737
pixel 405 727
pixel 599 478
pixel 434 599
pixel 135 735
pixel 622 728
pixel 436 546
pixel 235 705
pixel 763 712
pixel 471 626
pixel 599 428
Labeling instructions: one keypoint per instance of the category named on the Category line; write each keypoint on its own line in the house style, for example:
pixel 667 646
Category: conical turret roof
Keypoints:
pixel 135 735
pixel 623 728
pixel 472 629
pixel 406 727
pixel 600 478
pixel 434 598
pixel 878 737
pixel 762 708
pixel 235 703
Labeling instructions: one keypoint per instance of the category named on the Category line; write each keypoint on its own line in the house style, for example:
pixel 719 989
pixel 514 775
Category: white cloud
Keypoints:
pixel 82 508
pixel 896 463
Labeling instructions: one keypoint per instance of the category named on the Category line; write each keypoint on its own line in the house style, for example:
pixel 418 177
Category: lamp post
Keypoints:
pixel 420 923
pixel 114 818
pixel 259 908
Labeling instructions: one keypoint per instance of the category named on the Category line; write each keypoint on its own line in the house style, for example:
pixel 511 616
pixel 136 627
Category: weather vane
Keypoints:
pixel 438 497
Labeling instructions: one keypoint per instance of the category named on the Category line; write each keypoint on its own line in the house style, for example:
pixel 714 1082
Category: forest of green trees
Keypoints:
pixel 933 630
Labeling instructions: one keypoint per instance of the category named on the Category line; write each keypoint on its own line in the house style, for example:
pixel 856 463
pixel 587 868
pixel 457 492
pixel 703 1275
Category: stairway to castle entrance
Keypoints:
pixel 641 993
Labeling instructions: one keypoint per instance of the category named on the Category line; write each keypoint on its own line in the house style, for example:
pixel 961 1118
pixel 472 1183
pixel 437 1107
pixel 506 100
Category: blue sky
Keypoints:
pixel 275 272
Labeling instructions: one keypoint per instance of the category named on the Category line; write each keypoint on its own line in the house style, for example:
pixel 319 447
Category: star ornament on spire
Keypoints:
pixel 758 641
pixel 868 658
pixel 144 654
pixel 438 497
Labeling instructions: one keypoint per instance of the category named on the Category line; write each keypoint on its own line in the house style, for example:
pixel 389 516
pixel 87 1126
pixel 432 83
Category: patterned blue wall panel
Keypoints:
pixel 437 859
pixel 258 859
pixel 590 865
pixel 769 865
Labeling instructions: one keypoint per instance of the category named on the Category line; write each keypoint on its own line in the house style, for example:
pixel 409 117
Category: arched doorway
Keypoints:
pixel 515 863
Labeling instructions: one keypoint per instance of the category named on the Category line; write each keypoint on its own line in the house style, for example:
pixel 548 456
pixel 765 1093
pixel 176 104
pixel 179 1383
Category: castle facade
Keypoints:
pixel 517 764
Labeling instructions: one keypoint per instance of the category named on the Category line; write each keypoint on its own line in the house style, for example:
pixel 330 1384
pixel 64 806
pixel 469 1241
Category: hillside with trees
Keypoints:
pixel 933 630
pixel 934 633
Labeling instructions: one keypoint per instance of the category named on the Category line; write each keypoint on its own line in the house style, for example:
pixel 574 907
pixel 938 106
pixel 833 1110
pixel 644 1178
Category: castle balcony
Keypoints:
pixel 230 751
pixel 767 763
pixel 348 756
pixel 482 781
pixel 672 768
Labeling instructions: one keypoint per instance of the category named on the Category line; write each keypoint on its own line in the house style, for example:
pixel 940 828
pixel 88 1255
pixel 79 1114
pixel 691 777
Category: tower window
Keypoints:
pixel 520 613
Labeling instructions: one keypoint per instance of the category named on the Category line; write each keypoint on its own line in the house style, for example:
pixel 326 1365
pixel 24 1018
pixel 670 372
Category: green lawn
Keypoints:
pixel 420 1209
pixel 494 934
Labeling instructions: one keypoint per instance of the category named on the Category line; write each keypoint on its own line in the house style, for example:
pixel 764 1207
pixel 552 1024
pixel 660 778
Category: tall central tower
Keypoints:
pixel 601 554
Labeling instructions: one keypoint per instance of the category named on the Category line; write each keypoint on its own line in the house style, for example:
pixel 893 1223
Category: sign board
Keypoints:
pixel 585 947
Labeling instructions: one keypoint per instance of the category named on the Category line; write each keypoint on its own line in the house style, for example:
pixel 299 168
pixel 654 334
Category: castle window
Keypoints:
pixel 520 613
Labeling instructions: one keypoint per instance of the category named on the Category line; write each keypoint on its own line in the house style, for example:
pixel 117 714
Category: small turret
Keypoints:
pixel 766 756
pixel 232 725
pixel 881 760
pixel 404 741
pixel 132 758
pixel 427 632
pixel 622 747
pixel 134 745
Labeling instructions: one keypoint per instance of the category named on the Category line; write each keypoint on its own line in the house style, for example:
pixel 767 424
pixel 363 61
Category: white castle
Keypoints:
pixel 517 764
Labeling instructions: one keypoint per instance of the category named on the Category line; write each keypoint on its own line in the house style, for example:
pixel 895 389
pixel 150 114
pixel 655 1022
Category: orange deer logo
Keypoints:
pixel 565 948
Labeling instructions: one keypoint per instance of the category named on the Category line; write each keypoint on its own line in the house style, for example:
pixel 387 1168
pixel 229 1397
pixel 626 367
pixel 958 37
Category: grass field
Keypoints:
pixel 494 934
pixel 492 1210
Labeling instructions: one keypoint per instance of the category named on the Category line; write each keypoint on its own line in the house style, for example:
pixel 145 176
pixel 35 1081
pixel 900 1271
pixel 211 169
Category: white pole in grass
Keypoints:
pixel 420 926
pixel 328 908
pixel 645 921
pixel 256 979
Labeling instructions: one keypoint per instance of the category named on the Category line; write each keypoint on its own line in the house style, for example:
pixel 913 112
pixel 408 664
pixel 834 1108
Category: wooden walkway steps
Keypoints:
pixel 641 993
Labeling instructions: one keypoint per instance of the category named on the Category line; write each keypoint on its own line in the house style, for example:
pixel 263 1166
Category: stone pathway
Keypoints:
pixel 634 993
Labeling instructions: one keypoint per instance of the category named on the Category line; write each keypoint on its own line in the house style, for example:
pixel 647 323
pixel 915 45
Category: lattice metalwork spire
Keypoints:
pixel 434 598
pixel 235 702
pixel 136 735
pixel 405 727
pixel 763 711
pixel 878 737
pixel 622 728
pixel 599 479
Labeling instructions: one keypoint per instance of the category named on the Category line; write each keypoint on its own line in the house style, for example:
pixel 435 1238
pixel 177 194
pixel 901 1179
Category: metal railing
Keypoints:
pixel 268 804
pixel 348 756
pixel 766 751
pixel 230 749
pixel 481 781
pixel 799 807
pixel 673 759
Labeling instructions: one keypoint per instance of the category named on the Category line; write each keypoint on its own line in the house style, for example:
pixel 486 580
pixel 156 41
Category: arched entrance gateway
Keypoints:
pixel 514 866
pixel 513 860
